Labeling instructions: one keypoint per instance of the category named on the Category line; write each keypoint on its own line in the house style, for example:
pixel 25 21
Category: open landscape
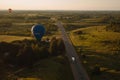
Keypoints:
pixel 94 35
pixel 22 56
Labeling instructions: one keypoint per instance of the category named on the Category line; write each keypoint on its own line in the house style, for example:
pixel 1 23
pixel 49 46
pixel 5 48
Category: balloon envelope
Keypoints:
pixel 10 10
pixel 38 31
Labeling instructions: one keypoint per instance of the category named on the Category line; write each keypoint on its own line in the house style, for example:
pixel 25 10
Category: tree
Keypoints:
pixel 53 46
pixel 113 26
pixel 57 47
pixel 39 51
pixel 26 56
pixel 60 46
pixel 2 70
pixel 43 52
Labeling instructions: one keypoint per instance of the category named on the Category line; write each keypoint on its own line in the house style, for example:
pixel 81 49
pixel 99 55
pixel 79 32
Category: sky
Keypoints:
pixel 60 4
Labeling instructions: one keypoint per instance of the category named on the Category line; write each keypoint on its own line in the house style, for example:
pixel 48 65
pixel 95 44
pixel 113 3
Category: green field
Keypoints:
pixel 95 35
pixel 7 38
pixel 101 48
pixel 55 68
pixel 15 31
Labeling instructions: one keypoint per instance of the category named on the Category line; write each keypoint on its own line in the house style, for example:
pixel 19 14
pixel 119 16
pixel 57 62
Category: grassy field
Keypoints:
pixel 94 44
pixel 10 38
pixel 17 26
pixel 55 68
pixel 96 37
pixel 100 48
pixel 7 38
pixel 19 23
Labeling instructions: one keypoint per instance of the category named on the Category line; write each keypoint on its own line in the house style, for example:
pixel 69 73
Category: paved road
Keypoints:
pixel 78 71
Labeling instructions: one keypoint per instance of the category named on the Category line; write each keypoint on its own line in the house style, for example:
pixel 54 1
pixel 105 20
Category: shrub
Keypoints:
pixel 26 56
pixel 2 70
pixel 96 70
pixel 61 46
pixel 25 52
pixel 56 47
pixel 113 26
pixel 53 46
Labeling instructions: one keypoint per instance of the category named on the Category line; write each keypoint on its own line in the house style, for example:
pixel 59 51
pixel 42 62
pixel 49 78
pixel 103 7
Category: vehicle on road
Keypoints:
pixel 73 59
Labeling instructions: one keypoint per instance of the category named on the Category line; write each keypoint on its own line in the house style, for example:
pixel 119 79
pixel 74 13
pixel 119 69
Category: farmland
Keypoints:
pixel 97 45
pixel 94 34
pixel 27 58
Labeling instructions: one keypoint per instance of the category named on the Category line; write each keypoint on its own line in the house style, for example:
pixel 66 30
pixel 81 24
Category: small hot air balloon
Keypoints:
pixel 10 10
pixel 38 31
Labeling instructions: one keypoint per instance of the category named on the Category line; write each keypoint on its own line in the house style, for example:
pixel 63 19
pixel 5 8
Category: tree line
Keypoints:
pixel 28 52
pixel 114 25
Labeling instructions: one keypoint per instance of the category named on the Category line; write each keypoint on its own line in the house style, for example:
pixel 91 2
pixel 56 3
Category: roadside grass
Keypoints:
pixel 96 46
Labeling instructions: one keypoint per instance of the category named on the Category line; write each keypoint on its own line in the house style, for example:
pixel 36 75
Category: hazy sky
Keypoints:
pixel 60 4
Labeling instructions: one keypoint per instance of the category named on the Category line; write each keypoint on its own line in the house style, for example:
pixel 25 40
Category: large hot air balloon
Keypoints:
pixel 38 31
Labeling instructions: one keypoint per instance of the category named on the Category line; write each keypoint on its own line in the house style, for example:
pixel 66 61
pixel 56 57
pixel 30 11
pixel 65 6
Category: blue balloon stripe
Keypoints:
pixel 38 31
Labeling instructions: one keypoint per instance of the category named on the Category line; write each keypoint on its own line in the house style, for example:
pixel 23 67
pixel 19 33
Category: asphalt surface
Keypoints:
pixel 78 71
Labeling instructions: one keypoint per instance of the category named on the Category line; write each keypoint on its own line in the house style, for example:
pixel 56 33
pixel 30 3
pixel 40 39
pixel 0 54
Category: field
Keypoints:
pixel 94 34
pixel 8 38
pixel 15 29
pixel 55 68
pixel 98 47
pixel 20 23
pixel 96 37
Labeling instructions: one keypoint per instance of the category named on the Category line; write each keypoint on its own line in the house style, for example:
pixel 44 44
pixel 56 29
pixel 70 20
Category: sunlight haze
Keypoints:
pixel 60 4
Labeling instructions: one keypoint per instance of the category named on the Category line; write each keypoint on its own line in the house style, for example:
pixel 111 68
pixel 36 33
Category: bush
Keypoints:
pixel 53 46
pixel 28 52
pixel 57 47
pixel 2 70
pixel 61 46
pixel 26 56
pixel 25 52
pixel 8 51
pixel 113 26
pixel 96 70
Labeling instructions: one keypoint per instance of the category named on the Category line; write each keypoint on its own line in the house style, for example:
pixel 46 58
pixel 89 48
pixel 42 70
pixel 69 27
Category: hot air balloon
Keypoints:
pixel 38 31
pixel 10 10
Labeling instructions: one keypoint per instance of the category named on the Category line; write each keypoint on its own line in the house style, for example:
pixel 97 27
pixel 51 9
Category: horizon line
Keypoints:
pixel 53 10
